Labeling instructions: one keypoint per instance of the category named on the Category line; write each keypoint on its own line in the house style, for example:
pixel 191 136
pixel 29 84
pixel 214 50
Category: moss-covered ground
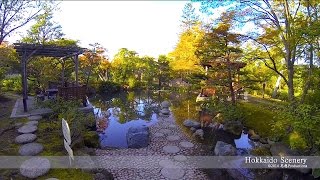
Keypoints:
pixel 49 135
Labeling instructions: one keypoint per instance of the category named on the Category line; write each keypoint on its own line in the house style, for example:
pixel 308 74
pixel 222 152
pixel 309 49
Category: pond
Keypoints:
pixel 122 111
pixel 125 110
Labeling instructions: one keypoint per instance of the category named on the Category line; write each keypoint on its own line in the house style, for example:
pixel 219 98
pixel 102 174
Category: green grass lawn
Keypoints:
pixel 261 113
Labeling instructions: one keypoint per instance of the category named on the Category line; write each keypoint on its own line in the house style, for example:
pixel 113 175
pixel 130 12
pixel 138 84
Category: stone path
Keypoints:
pixel 169 146
pixel 34 167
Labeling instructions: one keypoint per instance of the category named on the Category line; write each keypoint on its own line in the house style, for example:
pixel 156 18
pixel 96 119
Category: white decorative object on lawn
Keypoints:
pixel 66 131
pixel 69 150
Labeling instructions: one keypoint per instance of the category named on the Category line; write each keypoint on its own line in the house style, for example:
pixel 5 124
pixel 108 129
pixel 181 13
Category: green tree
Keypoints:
pixel 15 14
pixel 281 23
pixel 123 66
pixel 92 62
pixel 220 44
pixel 44 30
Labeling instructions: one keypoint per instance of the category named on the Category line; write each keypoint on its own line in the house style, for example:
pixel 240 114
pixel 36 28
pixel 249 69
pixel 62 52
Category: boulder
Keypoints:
pixel 234 127
pixel 25 138
pixel 165 111
pixel 191 123
pixel 30 149
pixel 279 149
pixel 224 149
pixel 254 137
pixel 199 133
pixel 138 137
pixel 35 167
pixel 193 129
pixel 165 104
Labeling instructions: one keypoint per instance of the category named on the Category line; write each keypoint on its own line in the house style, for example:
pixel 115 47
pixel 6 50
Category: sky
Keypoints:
pixel 147 27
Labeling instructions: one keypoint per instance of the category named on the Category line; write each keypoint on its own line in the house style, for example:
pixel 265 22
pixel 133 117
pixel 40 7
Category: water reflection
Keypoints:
pixel 119 113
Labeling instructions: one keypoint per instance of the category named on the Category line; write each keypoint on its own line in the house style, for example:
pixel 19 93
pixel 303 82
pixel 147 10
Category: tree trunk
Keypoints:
pixel 290 82
pixel 308 82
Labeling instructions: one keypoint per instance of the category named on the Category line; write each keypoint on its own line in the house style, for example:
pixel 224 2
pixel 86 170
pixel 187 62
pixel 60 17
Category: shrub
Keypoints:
pixel 108 87
pixel 78 121
pixel 12 83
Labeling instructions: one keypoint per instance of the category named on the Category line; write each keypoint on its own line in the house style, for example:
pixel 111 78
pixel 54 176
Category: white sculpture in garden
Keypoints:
pixel 67 139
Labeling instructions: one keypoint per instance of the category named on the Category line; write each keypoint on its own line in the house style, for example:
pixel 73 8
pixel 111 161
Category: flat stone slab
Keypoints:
pixel 172 126
pixel 186 144
pixel 35 167
pixel 32 123
pixel 158 134
pixel 180 158
pixel 173 138
pixel 25 138
pixel 165 131
pixel 171 149
pixel 173 173
pixel 34 118
pixel 166 163
pixel 26 129
pixel 52 179
pixel 30 149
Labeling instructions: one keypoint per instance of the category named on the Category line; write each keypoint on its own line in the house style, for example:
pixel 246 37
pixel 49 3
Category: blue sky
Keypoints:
pixel 148 27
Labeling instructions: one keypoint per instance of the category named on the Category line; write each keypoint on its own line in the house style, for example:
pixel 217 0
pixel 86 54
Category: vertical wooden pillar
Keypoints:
pixel 76 61
pixel 24 81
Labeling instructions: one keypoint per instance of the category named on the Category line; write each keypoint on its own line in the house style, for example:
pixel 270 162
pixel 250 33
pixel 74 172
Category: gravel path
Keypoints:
pixel 162 159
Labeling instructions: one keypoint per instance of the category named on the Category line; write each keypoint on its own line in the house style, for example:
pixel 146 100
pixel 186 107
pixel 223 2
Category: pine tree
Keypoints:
pixel 189 17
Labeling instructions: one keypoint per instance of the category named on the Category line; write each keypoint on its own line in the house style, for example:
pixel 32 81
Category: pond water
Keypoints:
pixel 126 110
pixel 122 111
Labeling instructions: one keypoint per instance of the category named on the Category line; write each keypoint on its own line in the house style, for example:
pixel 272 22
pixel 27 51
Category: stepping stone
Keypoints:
pixel 35 167
pixel 171 149
pixel 34 118
pixel 172 126
pixel 186 144
pixel 25 138
pixel 166 163
pixel 173 173
pixel 158 134
pixel 165 131
pixel 173 138
pixel 32 123
pixel 30 149
pixel 27 129
pixel 180 158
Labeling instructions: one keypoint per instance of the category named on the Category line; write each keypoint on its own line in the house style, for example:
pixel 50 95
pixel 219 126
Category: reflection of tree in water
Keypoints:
pixel 135 106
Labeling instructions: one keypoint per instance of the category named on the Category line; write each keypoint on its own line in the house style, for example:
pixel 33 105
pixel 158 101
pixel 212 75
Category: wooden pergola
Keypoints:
pixel 26 51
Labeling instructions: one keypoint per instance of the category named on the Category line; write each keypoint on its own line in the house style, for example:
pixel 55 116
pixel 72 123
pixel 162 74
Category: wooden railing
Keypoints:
pixel 73 93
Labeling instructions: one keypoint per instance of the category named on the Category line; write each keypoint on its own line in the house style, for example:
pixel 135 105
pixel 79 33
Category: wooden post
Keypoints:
pixel 76 61
pixel 24 81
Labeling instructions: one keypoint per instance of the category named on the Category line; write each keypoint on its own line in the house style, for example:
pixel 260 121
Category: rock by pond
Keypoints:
pixel 199 133
pixel 165 111
pixel 138 137
pixel 224 149
pixel 165 104
pixel 191 123
pixel 234 127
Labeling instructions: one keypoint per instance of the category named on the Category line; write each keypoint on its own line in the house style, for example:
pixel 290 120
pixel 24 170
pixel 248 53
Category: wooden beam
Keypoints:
pixel 24 81
pixel 76 61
